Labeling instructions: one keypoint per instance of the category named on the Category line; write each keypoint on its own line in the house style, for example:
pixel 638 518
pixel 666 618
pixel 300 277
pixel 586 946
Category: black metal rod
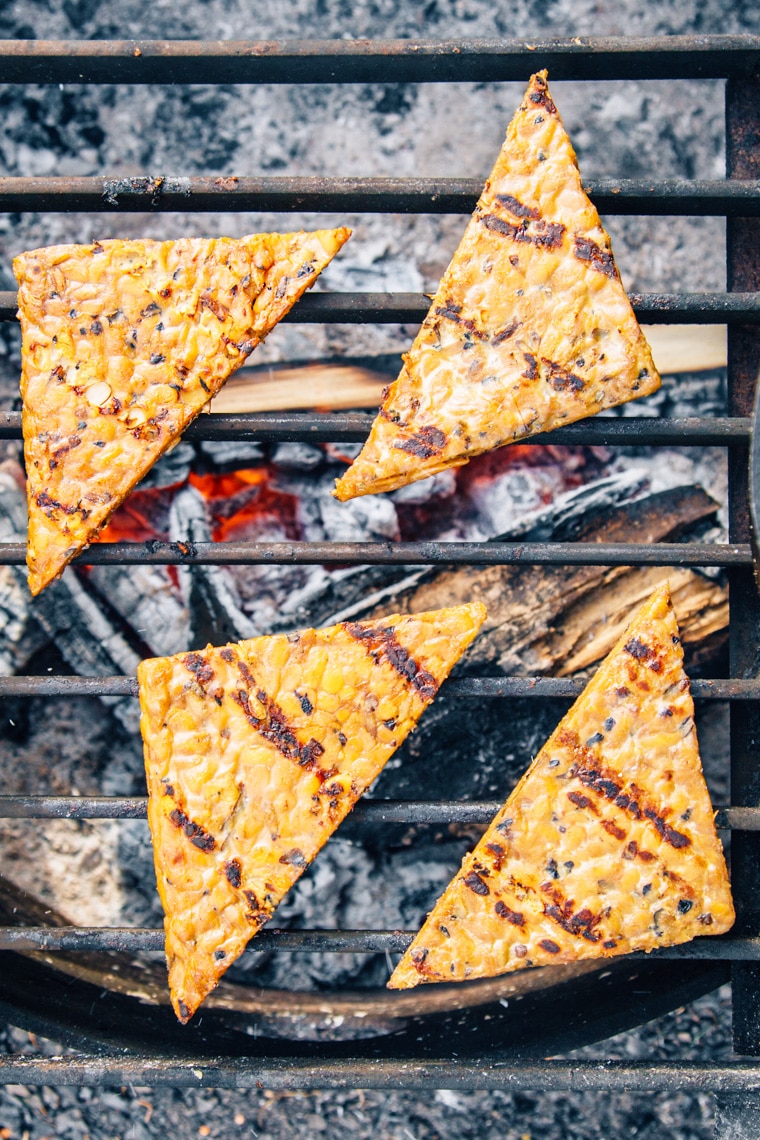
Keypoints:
pixel 353 427
pixel 154 552
pixel 409 308
pixel 486 1073
pixel 675 196
pixel 461 688
pixel 376 61
pixel 134 939
pixel 366 811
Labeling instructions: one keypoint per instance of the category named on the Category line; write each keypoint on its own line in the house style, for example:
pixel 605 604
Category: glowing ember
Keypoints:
pixel 142 516
pixel 245 503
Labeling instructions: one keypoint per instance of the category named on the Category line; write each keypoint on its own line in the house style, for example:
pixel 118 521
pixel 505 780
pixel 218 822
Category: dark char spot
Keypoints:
pixel 424 443
pixel 197 835
pixel 549 946
pixel 476 884
pixel 513 916
pixel 599 259
pixel 234 872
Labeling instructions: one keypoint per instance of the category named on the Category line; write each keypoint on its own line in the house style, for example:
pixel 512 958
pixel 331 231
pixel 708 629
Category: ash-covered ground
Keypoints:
pixel 619 129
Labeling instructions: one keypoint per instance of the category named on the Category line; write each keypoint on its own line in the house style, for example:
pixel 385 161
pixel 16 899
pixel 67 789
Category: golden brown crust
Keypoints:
pixel 530 327
pixel 255 753
pixel 124 342
pixel 607 845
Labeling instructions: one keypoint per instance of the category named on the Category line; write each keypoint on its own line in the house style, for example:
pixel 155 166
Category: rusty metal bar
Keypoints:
pixel 743 273
pixel 676 196
pixel 366 811
pixel 159 553
pixel 486 1072
pixel 460 688
pixel 376 61
pixel 134 939
pixel 353 427
pixel 408 308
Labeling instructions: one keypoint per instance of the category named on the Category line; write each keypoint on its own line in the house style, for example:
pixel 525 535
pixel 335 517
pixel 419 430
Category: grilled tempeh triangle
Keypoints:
pixel 607 844
pixel 124 343
pixel 255 752
pixel 530 328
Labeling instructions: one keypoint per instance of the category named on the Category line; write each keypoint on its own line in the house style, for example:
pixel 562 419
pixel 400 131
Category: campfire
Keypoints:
pixel 541 620
pixel 381 873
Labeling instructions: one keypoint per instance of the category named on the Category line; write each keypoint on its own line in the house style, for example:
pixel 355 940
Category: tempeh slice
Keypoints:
pixel 124 343
pixel 607 845
pixel 530 327
pixel 255 752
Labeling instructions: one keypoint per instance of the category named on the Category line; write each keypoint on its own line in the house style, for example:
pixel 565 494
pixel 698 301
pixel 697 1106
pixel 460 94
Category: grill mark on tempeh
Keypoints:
pixel 197 835
pixel 582 801
pixel 516 917
pixel 581 923
pixel 560 379
pixel 631 801
pixel 451 312
pixel 426 442
pixel 613 829
pixel 587 250
pixel 539 233
pixel 274 726
pixel 476 884
pixel 531 366
pixel 516 207
pixel 197 664
pixel 48 505
pixel 549 946
pixel 382 645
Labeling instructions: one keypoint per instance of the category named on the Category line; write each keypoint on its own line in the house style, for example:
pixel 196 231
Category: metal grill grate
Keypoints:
pixel 736 58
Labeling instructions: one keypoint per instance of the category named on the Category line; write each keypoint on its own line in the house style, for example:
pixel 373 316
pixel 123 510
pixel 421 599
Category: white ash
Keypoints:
pixel 173 467
pixel 292 456
pixel 227 455
pixel 543 521
pixel 440 486
pixel 55 863
pixel 148 602
pixel 371 518
pixel 67 612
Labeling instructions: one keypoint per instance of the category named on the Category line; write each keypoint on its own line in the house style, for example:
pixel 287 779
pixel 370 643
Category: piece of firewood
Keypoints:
pixel 329 387
pixel 562 620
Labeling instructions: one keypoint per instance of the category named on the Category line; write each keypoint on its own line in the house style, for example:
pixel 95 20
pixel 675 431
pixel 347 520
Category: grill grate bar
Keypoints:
pixel 306 1072
pixel 376 61
pixel 353 427
pixel 409 308
pixel 155 552
pixel 463 688
pixel 676 196
pixel 135 939
pixel 369 811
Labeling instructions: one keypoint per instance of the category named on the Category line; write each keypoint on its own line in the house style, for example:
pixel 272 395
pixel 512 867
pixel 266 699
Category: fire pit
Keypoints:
pixel 176 566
